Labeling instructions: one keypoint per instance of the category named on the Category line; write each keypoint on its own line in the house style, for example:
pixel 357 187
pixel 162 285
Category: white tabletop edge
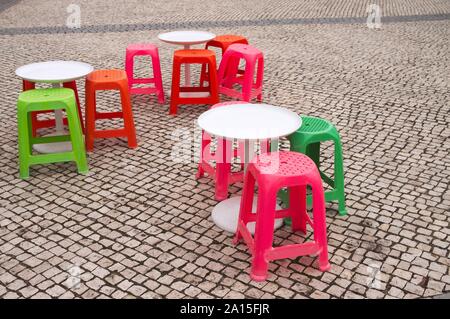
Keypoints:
pixel 208 36
pixel 89 69
pixel 294 127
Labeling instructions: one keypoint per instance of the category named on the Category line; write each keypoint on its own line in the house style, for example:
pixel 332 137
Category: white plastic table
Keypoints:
pixel 186 39
pixel 250 123
pixel 56 73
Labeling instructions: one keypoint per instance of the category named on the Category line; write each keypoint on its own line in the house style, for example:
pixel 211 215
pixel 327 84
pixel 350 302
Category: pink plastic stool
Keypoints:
pixel 273 171
pixel 222 173
pixel 229 72
pixel 144 49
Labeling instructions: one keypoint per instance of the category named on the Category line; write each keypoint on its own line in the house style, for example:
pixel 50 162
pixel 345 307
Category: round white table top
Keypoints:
pixel 54 71
pixel 186 37
pixel 248 121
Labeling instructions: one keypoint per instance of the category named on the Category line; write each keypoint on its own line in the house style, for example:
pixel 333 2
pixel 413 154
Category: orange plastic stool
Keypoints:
pixel 228 74
pixel 194 56
pixel 273 171
pixel 36 123
pixel 108 80
pixel 222 42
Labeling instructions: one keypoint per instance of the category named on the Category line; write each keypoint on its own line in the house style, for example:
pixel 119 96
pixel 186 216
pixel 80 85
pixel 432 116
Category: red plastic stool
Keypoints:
pixel 108 80
pixel 273 171
pixel 144 49
pixel 36 123
pixel 229 72
pixel 222 42
pixel 194 56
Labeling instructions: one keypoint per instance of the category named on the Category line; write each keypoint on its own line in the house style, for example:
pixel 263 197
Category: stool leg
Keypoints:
pixel 73 85
pixel 300 148
pixel 76 137
pixel 231 71
pixel 297 205
pixel 223 168
pixel 259 78
pixel 339 177
pixel 128 116
pixel 222 73
pixel 31 137
pixel 158 78
pixel 213 84
pixel 246 204
pixel 34 121
pixel 248 81
pixel 264 232
pixel 175 88
pixel 203 75
pixel 27 85
pixel 265 146
pixel 313 152
pixel 319 221
pixel 241 153
pixel 203 72
pixel 90 118
pixel 206 140
pixel 129 68
pixel 24 141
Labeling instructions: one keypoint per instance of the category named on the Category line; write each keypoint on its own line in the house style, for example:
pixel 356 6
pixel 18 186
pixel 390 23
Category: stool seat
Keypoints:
pixel 138 48
pixel 246 49
pixel 315 125
pixel 201 53
pixel 272 171
pixel 228 38
pixel 48 96
pixel 107 76
pixel 283 164
pixel 225 40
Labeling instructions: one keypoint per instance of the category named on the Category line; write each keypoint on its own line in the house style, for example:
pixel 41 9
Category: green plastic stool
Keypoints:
pixel 44 100
pixel 307 140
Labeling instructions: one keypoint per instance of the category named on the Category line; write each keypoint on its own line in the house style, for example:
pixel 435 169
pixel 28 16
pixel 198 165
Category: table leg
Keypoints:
pixel 274 145
pixel 249 152
pixel 59 124
pixel 226 213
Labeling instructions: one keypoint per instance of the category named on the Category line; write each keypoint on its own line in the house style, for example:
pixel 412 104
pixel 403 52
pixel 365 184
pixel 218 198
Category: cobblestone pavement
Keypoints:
pixel 139 224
